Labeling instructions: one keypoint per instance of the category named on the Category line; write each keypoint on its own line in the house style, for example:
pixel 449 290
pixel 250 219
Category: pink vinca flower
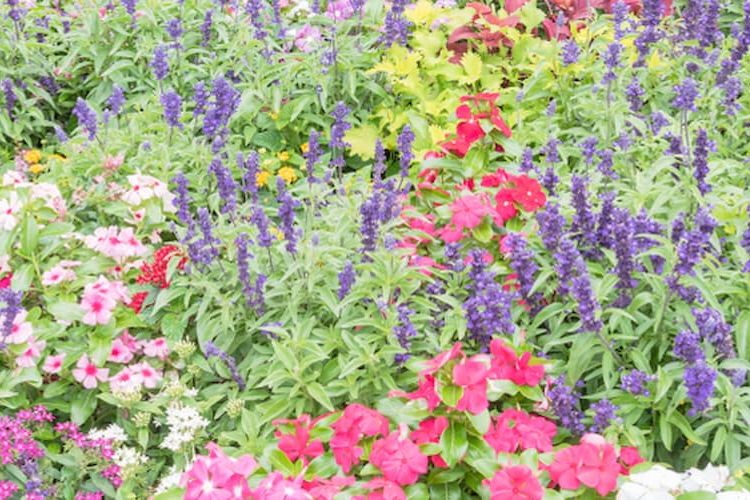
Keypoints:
pixel 400 460
pixel 127 380
pixel 88 374
pixel 307 38
pixel 28 358
pixel 120 353
pixel 471 375
pixel 21 330
pixel 53 363
pixel 468 211
pixel 57 275
pixel 150 376
pixel 516 482
pixel 156 348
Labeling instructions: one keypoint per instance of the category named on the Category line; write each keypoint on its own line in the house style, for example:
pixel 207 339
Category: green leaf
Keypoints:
pixel 481 422
pixel 454 443
pixel 451 394
pixel 319 394
pixel 445 491
pixel 29 235
pixel 171 494
pixel 697 495
pixel 679 421
pixel 83 406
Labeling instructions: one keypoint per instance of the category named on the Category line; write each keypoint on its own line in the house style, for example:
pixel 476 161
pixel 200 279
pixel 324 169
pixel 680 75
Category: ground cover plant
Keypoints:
pixel 355 249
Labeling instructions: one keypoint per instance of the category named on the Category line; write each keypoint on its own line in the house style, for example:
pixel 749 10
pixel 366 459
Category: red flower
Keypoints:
pixel 500 176
pixel 506 365
pixel 505 209
pixel 429 431
pixel 399 458
pixel 432 366
pixel 528 193
pixel 298 444
pixel 468 211
pixel 516 482
pixel 472 377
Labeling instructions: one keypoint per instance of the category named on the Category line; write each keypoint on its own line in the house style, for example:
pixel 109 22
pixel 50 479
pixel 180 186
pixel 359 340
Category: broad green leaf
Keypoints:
pixel 454 443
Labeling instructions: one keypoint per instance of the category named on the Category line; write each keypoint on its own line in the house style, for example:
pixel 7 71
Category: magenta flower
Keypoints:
pixel 468 211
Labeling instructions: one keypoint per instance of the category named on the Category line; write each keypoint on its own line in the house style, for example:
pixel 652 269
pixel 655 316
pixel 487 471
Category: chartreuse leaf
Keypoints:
pixel 454 443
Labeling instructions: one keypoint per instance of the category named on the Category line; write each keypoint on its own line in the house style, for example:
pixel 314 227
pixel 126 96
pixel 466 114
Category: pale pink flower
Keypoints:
pixel 28 358
pixel 88 374
pixel 127 380
pixel 114 162
pixel 14 178
pixel 57 275
pixel 150 376
pixel 156 348
pixel 140 190
pixel 51 196
pixel 4 264
pixel 98 308
pixel 120 352
pixel 9 210
pixel 53 363
pixel 21 330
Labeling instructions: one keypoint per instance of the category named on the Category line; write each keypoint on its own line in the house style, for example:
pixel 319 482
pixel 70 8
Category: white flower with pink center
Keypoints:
pixel 21 330
pixel 53 363
pixel 127 380
pixel 156 348
pixel 150 376
pixel 88 374
pixel 120 353
pixel 9 210
pixel 29 357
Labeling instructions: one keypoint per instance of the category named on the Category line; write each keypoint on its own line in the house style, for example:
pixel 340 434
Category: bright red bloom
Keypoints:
pixel 428 174
pixel 472 377
pixel 156 272
pixel 467 133
pixel 468 211
pixel 429 431
pixel 500 176
pixel 505 365
pixel 399 458
pixel 528 193
pixel 516 482
pixel 298 444
pixel 505 208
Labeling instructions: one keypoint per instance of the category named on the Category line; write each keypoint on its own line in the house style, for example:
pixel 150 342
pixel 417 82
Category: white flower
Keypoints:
pixel 169 481
pixel 113 432
pixel 184 422
pixel 635 491
pixel 712 478
pixel 126 457
pixel 733 495
pixel 8 211
pixel 657 478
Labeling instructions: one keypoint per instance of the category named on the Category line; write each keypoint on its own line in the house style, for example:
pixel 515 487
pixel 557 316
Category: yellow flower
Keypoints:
pixel 305 147
pixel 36 168
pixel 32 156
pixel 283 156
pixel 261 179
pixel 288 174
pixel 276 232
pixel 274 116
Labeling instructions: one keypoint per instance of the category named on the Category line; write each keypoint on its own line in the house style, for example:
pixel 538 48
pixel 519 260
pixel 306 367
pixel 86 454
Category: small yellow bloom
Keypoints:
pixel 276 232
pixel 32 156
pixel 274 116
pixel 261 179
pixel 283 156
pixel 36 168
pixel 305 147
pixel 287 174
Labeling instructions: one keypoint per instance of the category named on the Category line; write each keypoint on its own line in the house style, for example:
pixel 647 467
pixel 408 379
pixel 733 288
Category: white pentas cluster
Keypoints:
pixel 113 432
pixel 660 483
pixel 184 423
